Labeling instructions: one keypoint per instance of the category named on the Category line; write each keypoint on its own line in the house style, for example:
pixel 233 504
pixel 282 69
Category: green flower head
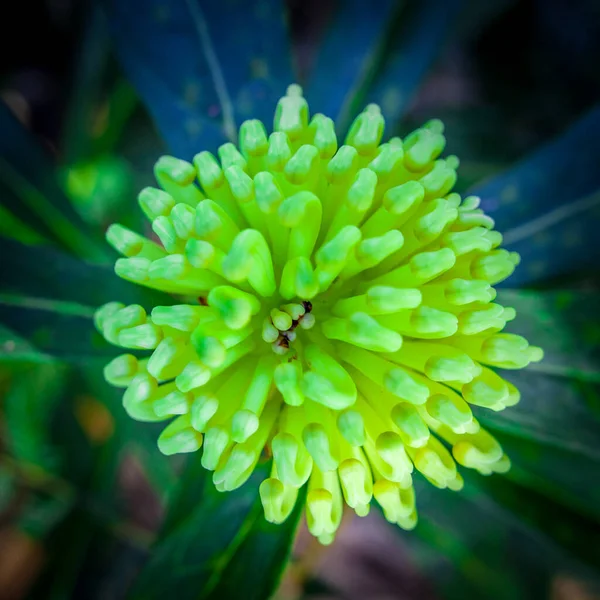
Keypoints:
pixel 336 314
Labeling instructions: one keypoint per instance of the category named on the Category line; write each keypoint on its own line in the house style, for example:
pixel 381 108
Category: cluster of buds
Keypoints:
pixel 279 327
pixel 336 313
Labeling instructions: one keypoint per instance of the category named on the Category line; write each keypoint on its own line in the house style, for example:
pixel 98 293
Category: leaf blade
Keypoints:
pixel 40 272
pixel 208 538
pixel 54 330
pixel 32 193
pixel 533 203
pixel 420 38
pixel 186 87
pixel 351 50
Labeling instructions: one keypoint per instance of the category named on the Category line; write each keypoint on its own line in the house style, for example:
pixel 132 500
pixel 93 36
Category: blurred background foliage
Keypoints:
pixel 93 93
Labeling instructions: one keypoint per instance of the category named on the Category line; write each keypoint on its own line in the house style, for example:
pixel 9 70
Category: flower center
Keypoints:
pixel 280 326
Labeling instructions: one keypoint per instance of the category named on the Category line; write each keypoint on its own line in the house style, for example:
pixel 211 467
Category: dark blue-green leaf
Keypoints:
pixel 552 411
pixel 212 543
pixel 564 323
pixel 91 63
pixel 62 330
pixel 421 34
pixel 567 478
pixel 29 404
pixel 347 57
pixel 39 272
pixel 483 548
pixel 559 405
pixel 548 205
pixel 201 67
pixel 30 191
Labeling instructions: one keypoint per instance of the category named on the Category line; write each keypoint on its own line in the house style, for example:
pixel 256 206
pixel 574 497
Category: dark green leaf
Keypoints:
pixel 59 329
pixel 558 404
pixel 14 348
pixel 29 405
pixel 14 228
pixel 49 299
pixel 545 515
pixel 29 189
pixel 260 560
pixel 213 542
pixel 43 512
pixel 552 411
pixel 91 61
pixel 423 29
pixel 565 477
pixel 70 544
pixel 89 464
pixel 564 324
pixel 49 274
pixel 548 205
pixel 486 550
pixel 351 49
pixel 178 55
pixel 7 488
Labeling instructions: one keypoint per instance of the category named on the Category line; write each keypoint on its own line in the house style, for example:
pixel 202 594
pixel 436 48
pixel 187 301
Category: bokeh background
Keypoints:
pixel 93 92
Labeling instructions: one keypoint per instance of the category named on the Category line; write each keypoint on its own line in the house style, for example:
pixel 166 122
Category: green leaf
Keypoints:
pixel 564 324
pixel 548 205
pixel 13 227
pixel 29 404
pixel 420 36
pixel 14 348
pixel 213 543
pixel 102 190
pixel 559 405
pixel 89 73
pixel 69 545
pixel 178 56
pixel 89 466
pixel 552 411
pixel 65 331
pixel 7 487
pixel 483 549
pixel 260 560
pixel 352 48
pixel 121 106
pixel 45 273
pixel 49 299
pixel 96 178
pixel 546 516
pixel 44 512
pixel 36 501
pixel 565 477
pixel 30 191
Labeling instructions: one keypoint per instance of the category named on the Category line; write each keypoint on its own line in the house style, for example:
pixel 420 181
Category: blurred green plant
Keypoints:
pixel 66 439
